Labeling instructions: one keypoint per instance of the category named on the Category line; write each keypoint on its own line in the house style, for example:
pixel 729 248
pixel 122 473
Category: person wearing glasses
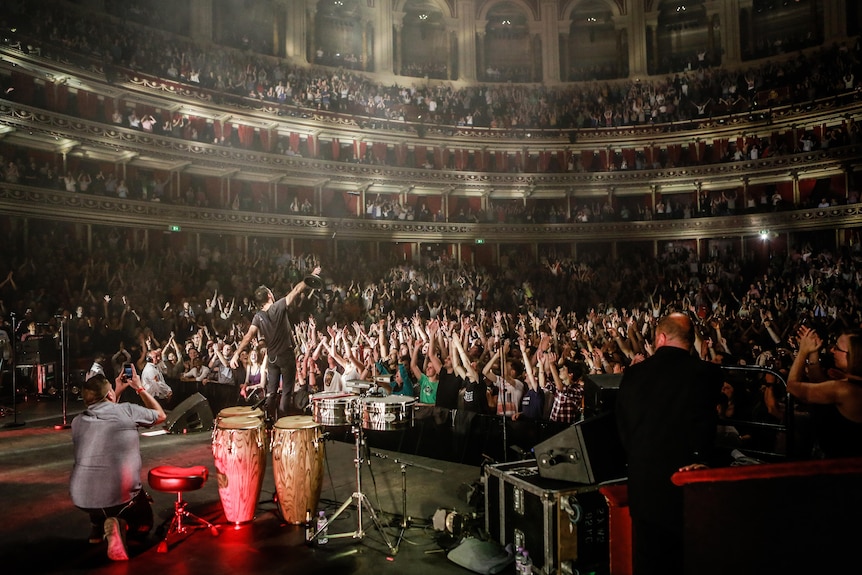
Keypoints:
pixel 835 402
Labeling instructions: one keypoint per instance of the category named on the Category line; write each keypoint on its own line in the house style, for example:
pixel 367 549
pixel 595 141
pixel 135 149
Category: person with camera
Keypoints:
pixel 106 477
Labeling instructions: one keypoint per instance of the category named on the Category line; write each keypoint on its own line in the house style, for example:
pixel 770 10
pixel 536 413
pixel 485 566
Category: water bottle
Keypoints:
pixel 526 563
pixel 519 560
pixel 321 528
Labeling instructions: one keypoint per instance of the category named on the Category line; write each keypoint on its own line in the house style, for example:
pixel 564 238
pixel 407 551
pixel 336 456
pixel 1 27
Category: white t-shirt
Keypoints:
pixel 332 380
pixel 154 382
pixel 514 393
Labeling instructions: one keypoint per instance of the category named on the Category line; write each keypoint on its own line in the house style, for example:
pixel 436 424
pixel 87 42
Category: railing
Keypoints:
pixel 41 203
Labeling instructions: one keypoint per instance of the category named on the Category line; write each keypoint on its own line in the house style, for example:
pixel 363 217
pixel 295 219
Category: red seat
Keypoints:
pixel 178 480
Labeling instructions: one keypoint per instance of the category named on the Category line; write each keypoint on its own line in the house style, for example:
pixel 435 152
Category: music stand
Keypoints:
pixel 14 422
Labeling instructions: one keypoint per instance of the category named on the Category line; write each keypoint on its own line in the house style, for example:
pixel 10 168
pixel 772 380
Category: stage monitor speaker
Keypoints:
pixel 600 393
pixel 193 414
pixel 588 452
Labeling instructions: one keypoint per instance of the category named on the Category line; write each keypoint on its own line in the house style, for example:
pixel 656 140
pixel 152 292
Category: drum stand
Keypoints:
pixel 361 499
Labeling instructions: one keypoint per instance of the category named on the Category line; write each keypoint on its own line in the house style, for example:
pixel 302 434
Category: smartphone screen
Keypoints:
pixel 127 371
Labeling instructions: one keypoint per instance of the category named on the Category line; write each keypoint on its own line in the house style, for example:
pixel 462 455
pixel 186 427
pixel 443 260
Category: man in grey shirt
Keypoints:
pixel 106 477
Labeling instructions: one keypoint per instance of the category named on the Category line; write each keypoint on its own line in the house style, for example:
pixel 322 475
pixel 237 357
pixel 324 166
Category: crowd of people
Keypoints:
pixel 516 340
pixel 686 94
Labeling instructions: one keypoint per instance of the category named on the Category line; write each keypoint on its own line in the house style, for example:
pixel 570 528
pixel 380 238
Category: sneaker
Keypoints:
pixel 115 534
pixel 97 534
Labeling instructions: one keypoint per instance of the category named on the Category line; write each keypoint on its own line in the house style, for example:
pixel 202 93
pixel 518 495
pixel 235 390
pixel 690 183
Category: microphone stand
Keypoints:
pixel 14 422
pixel 404 464
pixel 505 394
pixel 63 372
pixel 262 401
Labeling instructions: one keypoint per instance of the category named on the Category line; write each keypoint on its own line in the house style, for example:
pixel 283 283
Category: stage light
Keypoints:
pixel 449 521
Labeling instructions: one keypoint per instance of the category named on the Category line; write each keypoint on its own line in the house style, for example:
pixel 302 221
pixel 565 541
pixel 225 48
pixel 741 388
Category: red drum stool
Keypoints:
pixel 177 480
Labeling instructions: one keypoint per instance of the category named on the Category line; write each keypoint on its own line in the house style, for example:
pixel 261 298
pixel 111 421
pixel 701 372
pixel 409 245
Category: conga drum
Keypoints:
pixel 239 411
pixel 239 450
pixel 297 466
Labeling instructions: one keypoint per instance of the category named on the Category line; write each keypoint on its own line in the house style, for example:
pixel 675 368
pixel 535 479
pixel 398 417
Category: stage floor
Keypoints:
pixel 42 532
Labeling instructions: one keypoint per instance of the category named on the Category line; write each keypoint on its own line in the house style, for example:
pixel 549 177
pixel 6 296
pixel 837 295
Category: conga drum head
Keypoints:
pixel 240 422
pixel 238 410
pixel 295 422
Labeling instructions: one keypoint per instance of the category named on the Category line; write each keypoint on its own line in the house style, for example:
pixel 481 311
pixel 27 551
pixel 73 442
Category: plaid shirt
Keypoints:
pixel 567 404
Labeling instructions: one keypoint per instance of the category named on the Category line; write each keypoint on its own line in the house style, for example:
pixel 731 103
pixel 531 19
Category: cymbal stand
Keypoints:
pixel 360 499
pixel 405 520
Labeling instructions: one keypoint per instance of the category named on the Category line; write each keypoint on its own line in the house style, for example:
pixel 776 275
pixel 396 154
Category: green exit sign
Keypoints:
pixel 174 228
pixel 480 241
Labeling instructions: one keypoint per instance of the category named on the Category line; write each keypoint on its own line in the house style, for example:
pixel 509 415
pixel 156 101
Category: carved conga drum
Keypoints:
pixel 239 411
pixel 239 450
pixel 297 466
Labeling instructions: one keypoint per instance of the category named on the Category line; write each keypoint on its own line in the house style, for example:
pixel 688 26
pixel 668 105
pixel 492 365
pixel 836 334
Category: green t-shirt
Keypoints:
pixel 427 390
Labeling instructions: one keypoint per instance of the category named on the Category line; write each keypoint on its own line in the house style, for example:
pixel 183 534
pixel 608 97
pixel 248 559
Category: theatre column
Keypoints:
pixel 310 48
pixel 480 55
pixel 833 18
pixel 794 175
pixel 298 25
pixel 651 42
pixel 380 28
pixel 468 39
pixel 397 57
pixel 550 42
pixel 201 16
pixel 726 24
pixel 635 27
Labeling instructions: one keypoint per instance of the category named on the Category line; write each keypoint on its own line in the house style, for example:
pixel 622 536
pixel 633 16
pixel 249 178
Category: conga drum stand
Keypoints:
pixel 360 499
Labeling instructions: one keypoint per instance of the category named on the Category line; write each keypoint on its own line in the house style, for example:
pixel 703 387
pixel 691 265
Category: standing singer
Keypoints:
pixel 272 322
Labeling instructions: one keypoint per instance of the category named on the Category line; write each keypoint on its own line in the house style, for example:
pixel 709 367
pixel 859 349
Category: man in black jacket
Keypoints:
pixel 666 416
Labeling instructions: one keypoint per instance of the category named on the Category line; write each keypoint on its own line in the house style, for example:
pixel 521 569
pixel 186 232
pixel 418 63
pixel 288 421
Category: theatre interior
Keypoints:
pixel 492 135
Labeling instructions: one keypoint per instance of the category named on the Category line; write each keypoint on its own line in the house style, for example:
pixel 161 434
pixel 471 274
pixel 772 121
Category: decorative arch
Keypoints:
pixel 440 6
pixel 568 11
pixel 594 48
pixel 431 51
pixel 492 5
